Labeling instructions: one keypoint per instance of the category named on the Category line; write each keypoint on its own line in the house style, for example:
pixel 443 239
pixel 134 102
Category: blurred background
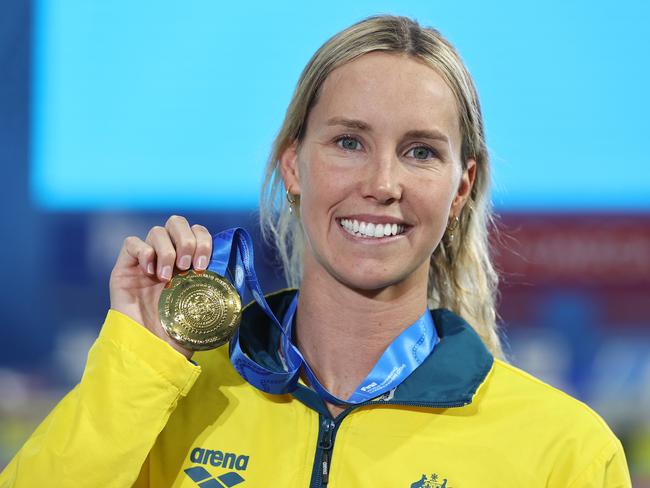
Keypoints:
pixel 115 115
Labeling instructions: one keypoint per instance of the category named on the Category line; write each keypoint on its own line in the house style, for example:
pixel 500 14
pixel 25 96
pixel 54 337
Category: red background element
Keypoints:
pixel 605 256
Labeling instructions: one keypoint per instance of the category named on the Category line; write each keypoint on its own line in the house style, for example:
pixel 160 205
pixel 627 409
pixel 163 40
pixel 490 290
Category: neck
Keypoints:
pixel 342 332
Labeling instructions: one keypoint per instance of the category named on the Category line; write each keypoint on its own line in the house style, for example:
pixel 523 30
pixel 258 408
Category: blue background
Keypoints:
pixel 185 98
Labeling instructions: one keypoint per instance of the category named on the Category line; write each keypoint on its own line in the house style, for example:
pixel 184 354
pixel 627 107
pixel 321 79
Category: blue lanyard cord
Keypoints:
pixel 399 359
pixel 232 257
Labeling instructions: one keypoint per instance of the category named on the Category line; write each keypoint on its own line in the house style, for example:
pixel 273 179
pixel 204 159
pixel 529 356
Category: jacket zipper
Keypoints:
pixel 329 426
pixel 325 444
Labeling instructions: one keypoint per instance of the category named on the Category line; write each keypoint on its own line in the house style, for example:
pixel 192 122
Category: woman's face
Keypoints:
pixel 378 172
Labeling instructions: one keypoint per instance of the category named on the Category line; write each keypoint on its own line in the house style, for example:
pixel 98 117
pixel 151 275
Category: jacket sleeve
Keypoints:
pixel 608 470
pixel 101 432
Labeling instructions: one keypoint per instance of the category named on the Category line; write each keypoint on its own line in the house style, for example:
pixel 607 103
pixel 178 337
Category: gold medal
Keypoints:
pixel 199 310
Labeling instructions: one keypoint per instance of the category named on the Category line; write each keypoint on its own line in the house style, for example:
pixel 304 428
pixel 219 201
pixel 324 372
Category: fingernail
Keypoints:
pixel 150 268
pixel 202 262
pixel 185 262
pixel 166 272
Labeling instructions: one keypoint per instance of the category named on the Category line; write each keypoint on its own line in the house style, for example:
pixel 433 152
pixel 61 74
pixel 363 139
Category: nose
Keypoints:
pixel 382 181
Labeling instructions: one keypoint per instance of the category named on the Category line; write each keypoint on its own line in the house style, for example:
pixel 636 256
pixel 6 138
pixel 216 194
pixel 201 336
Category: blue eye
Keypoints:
pixel 348 143
pixel 422 152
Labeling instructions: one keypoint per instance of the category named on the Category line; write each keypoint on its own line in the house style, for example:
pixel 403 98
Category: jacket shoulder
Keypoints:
pixel 548 399
pixel 551 426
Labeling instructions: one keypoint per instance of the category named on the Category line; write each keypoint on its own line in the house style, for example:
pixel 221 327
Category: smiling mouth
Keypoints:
pixel 368 229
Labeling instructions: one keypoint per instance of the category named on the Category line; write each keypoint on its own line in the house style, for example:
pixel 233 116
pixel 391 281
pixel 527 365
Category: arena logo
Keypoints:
pixel 228 460
pixel 217 458
pixel 204 479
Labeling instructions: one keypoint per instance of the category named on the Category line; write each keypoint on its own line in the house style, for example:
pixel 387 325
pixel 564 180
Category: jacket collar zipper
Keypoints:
pixel 325 444
pixel 330 425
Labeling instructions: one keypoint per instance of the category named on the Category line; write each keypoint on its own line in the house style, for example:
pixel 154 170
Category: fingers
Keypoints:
pixel 183 239
pixel 165 254
pixel 203 250
pixel 176 244
pixel 193 244
pixel 137 251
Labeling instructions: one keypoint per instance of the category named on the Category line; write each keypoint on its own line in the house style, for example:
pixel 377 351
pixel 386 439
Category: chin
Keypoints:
pixel 370 281
pixel 367 274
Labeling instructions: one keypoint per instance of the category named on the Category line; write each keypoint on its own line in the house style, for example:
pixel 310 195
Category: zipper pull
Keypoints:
pixel 326 445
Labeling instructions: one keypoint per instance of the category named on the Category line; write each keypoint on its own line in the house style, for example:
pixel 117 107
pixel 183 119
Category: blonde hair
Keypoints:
pixel 461 276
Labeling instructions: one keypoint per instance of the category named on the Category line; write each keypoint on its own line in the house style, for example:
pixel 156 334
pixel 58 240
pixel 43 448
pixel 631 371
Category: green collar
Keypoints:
pixel 449 377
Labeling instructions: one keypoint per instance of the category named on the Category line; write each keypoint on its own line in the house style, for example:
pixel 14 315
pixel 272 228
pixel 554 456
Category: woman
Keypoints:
pixel 383 161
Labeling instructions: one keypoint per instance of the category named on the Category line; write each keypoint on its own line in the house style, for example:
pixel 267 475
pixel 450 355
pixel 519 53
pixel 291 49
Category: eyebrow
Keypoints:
pixel 361 125
pixel 350 123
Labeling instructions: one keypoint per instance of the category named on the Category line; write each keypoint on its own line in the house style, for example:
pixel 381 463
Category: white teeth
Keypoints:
pixel 369 229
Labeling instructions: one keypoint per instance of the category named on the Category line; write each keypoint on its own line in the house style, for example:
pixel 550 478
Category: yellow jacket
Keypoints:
pixel 145 416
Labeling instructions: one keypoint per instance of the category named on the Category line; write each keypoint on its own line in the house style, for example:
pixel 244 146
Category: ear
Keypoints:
pixel 464 188
pixel 289 169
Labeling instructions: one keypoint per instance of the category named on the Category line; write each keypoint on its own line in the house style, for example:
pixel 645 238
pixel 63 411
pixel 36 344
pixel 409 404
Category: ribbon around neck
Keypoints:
pixel 232 257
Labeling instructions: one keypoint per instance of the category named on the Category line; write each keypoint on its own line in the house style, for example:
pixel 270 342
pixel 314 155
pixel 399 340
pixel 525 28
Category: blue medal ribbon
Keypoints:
pixel 232 257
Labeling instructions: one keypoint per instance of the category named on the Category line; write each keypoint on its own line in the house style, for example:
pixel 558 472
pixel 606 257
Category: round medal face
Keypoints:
pixel 199 310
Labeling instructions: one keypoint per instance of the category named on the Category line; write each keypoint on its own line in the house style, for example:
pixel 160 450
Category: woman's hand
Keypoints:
pixel 144 267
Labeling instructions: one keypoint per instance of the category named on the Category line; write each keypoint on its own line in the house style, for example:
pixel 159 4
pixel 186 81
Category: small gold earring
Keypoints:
pixel 291 199
pixel 451 228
